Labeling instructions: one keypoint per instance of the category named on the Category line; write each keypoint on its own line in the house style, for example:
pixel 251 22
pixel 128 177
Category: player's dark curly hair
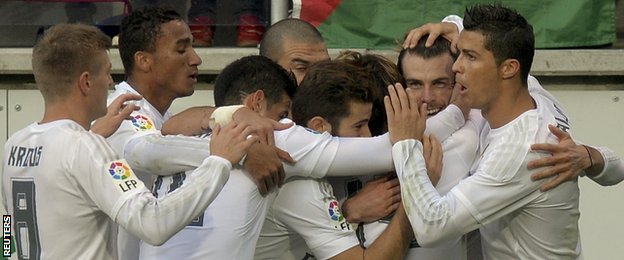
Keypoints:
pixel 140 31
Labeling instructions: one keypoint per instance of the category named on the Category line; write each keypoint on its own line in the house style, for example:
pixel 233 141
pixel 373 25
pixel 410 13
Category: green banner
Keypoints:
pixel 381 24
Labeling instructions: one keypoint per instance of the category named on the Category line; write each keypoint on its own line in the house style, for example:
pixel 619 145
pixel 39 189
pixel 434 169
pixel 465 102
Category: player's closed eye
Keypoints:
pixel 414 85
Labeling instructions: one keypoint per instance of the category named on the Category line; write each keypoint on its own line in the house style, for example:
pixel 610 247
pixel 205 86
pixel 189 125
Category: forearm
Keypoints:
pixel 394 241
pixel 430 215
pixel 190 122
pixel 362 156
pixel 156 220
pixel 445 123
pixel 606 167
pixel 166 155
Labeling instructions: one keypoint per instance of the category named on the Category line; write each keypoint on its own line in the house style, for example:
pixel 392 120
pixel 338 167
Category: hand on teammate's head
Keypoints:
pixel 433 30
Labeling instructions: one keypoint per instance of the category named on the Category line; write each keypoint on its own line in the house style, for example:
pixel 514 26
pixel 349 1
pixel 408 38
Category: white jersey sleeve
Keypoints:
pixel 149 153
pixel 613 171
pixel 457 20
pixel 112 186
pixel 445 123
pixel 166 155
pixel 320 154
pixel 59 167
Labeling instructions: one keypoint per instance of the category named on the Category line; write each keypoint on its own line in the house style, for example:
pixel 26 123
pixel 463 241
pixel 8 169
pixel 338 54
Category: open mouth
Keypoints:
pixel 193 77
pixel 462 88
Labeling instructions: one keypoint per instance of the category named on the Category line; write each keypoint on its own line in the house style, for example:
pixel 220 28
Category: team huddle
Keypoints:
pixel 450 152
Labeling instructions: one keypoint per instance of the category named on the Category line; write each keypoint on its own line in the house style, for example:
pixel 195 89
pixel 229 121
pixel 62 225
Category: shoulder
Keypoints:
pixel 507 151
pixel 303 195
pixel 298 135
pixel 94 146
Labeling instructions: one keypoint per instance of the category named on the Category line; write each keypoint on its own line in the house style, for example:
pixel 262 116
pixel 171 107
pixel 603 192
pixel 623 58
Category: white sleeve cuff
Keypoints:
pixel 223 115
pixel 613 171
pixel 458 21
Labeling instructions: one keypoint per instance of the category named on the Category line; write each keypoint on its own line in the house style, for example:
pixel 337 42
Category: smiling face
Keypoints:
pixel 432 79
pixel 476 71
pixel 356 123
pixel 174 67
pixel 298 56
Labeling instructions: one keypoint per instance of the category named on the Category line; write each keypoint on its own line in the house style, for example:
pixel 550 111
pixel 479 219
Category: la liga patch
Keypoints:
pixel 122 176
pixel 142 122
pixel 119 171
pixel 336 219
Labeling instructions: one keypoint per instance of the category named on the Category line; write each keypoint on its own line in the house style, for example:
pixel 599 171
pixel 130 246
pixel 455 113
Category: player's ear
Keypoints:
pixel 319 124
pixel 255 101
pixel 509 68
pixel 84 83
pixel 143 61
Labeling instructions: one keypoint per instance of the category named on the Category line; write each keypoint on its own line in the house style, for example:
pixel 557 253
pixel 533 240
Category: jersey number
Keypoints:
pixel 176 181
pixel 25 215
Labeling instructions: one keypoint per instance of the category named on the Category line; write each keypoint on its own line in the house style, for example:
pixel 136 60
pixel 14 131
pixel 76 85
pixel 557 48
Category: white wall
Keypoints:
pixel 597 118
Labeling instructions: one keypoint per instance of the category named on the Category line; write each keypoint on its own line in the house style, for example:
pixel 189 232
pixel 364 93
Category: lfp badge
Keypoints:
pixel 122 176
pixel 334 211
pixel 142 123
pixel 336 219
pixel 119 171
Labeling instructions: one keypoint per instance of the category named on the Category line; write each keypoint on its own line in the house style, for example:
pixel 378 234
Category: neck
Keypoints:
pixel 150 92
pixel 67 110
pixel 513 101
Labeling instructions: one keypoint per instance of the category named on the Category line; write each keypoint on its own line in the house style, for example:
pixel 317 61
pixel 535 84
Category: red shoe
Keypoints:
pixel 202 29
pixel 250 30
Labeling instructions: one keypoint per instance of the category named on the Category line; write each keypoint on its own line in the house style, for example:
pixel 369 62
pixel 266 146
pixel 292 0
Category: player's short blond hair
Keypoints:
pixel 64 52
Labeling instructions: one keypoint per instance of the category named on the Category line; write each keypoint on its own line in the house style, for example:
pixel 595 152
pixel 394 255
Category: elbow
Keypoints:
pixel 155 239
pixel 606 183
pixel 153 235
pixel 428 237
pixel 427 240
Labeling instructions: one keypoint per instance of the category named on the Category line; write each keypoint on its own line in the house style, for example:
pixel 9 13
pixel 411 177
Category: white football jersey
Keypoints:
pixel 304 221
pixel 517 220
pixel 460 150
pixel 145 121
pixel 63 185
pixel 140 142
pixel 230 226
pixel 227 229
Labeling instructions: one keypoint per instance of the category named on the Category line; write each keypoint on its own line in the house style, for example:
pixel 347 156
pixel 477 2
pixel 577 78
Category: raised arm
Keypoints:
pixel 435 218
pixel 114 188
pixel 192 121
pixel 381 197
pixel 118 111
pixel 449 28
pixel 320 154
pixel 570 160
